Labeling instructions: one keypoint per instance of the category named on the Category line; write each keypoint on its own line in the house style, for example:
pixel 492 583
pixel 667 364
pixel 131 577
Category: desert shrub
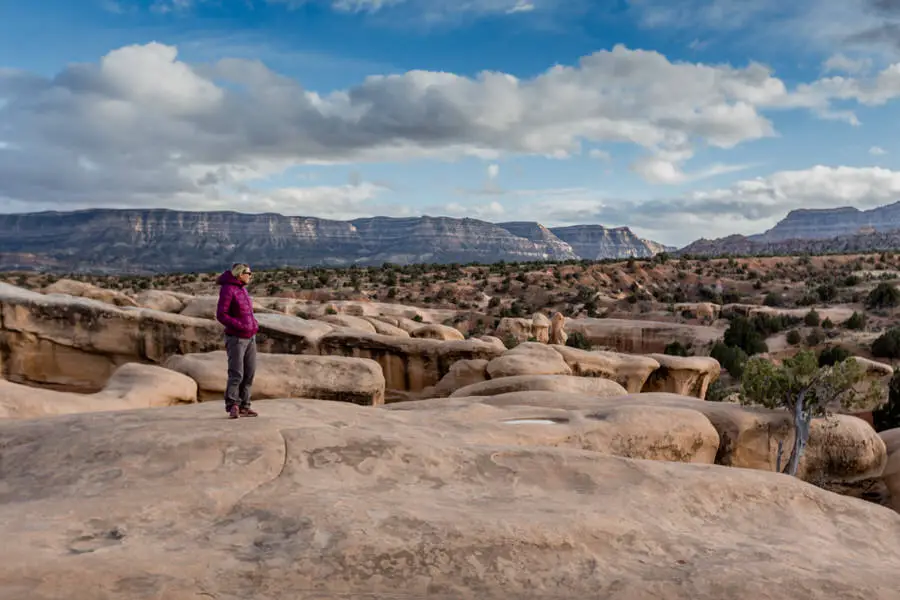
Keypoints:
pixel 856 321
pixel 815 337
pixel 772 299
pixel 812 319
pixel 676 348
pixel 793 337
pixel 833 355
pixel 826 292
pixel 578 340
pixel 887 345
pixel 828 323
pixel 732 358
pixel 884 295
pixel 743 334
pixel 888 415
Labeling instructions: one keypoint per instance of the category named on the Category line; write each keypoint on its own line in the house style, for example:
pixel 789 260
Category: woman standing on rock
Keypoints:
pixel 235 312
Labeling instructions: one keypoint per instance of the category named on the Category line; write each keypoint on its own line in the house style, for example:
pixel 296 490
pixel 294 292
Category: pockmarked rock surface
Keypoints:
pixel 891 473
pixel 335 378
pixel 132 386
pixel 545 383
pixel 332 500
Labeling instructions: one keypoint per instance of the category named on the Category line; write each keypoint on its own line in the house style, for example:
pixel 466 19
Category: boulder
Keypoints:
pixel 132 386
pixel 518 329
pixel 168 302
pixel 350 322
pixel 204 307
pixel 688 376
pixel 542 383
pixel 841 448
pixel 332 500
pixel 340 379
pixel 82 289
pixel 530 358
pixel 437 332
pixel 461 374
pixel 629 370
pixel 409 364
pixel 891 473
pixel 384 328
pixel 407 325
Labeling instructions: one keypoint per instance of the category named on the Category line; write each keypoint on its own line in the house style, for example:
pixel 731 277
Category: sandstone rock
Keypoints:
pixel 558 333
pixel 77 343
pixel 546 383
pixel 699 310
pixel 132 386
pixel 437 332
pixel 407 325
pixel 494 341
pixel 82 289
pixel 337 500
pixel 688 376
pixel 354 323
pixel 461 374
pixel 336 378
pixel 162 301
pixel 384 328
pixel 841 448
pixel 594 422
pixel 629 370
pixel 540 328
pixel 518 329
pixel 891 473
pixel 641 337
pixel 290 335
pixel 409 364
pixel 529 358
pixel 875 371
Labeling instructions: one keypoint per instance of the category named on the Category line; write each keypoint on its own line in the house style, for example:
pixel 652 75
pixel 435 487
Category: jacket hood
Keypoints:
pixel 226 278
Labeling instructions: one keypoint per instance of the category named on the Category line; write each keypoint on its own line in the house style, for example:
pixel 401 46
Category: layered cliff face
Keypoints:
pixel 740 245
pixel 117 241
pixel 811 224
pixel 539 234
pixel 596 242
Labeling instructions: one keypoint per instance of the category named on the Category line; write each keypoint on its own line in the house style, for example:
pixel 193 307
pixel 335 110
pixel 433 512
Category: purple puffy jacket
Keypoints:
pixel 235 309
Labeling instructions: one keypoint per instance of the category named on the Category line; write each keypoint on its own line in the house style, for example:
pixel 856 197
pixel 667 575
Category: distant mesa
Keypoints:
pixel 813 231
pixel 146 241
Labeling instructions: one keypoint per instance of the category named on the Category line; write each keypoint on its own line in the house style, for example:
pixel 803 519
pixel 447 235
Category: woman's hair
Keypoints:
pixel 238 269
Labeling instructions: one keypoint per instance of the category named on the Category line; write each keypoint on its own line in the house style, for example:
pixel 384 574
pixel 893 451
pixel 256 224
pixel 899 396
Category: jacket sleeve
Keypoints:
pixel 226 295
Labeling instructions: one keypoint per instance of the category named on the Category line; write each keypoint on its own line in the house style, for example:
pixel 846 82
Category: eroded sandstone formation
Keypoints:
pixel 462 498
pixel 336 378
pixel 132 386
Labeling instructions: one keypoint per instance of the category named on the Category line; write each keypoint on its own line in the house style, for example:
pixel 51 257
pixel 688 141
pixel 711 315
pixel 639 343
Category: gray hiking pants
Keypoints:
pixel 241 369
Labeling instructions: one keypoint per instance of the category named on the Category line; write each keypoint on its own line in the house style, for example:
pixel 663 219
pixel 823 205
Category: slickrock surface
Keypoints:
pixel 330 500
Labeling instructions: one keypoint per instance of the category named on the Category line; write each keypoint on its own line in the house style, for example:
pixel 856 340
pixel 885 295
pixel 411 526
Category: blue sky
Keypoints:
pixel 709 118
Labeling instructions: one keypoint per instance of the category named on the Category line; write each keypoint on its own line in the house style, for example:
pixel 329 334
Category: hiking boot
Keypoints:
pixel 248 412
pixel 233 412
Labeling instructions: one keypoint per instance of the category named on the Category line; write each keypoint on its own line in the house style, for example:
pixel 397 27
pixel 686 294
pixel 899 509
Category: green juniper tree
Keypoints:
pixel 807 390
